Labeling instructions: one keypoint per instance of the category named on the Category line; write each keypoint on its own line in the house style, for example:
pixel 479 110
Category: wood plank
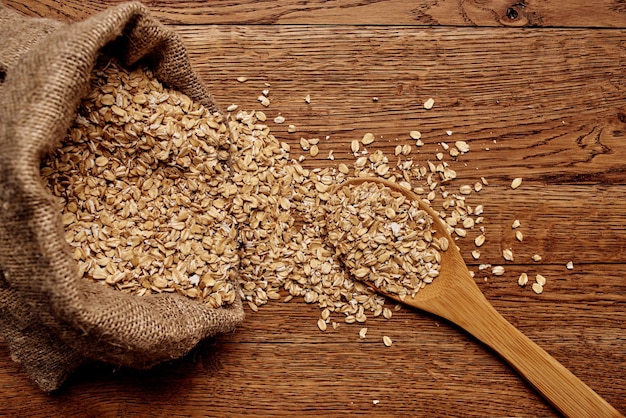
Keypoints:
pixel 279 364
pixel 531 13
pixel 558 124
pixel 548 104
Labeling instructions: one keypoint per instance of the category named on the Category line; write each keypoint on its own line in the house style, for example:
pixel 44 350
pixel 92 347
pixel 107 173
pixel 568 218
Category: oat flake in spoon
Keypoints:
pixel 384 238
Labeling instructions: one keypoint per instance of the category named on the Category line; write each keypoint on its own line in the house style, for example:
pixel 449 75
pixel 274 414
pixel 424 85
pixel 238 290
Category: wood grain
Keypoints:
pixel 279 364
pixel 545 102
pixel 507 13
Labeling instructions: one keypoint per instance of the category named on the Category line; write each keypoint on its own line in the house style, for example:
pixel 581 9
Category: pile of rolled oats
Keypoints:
pixel 159 195
pixel 384 238
pixel 143 181
pixel 282 210
pixel 280 214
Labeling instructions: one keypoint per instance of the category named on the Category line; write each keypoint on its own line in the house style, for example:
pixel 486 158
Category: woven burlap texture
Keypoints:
pixel 51 319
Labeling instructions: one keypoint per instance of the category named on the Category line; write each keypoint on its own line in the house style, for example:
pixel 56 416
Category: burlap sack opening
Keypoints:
pixel 51 319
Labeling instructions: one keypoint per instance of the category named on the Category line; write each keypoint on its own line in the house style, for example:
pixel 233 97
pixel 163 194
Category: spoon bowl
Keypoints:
pixel 454 295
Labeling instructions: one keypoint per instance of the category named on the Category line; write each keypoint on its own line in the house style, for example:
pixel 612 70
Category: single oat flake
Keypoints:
pixel 387 341
pixel 497 270
pixel 462 146
pixel 540 279
pixel 479 240
pixel 523 279
pixel 368 138
pixel 321 324
pixel 507 254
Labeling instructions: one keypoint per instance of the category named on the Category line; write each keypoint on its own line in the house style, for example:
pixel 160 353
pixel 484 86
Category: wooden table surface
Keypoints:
pixel 538 90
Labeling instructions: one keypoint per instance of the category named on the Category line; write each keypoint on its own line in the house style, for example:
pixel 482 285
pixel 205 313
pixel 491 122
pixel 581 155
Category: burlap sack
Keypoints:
pixel 51 319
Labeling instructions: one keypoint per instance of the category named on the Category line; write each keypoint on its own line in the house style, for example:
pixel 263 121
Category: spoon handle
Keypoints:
pixel 557 384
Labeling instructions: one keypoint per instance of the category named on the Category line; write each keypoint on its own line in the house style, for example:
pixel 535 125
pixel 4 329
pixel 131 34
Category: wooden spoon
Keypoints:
pixel 454 295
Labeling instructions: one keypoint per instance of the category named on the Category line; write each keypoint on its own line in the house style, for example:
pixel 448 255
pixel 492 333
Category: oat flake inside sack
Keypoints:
pixel 51 319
